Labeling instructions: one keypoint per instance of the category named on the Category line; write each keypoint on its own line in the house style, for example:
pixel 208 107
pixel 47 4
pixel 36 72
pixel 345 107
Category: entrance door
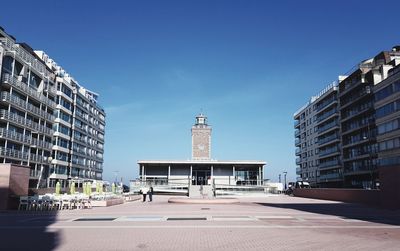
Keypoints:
pixel 200 177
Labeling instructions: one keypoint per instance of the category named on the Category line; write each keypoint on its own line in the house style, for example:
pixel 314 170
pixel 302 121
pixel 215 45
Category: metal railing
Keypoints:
pixel 21 120
pixel 7 78
pixel 23 104
pixel 12 153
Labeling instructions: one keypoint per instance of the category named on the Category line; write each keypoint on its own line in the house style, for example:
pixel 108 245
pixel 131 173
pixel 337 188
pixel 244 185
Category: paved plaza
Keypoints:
pixel 256 223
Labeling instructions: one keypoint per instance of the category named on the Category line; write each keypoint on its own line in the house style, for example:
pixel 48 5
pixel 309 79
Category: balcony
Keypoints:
pixel 296 123
pixel 22 121
pixel 328 151
pixel 7 78
pixel 298 151
pixel 326 104
pixel 330 176
pixel 6 96
pixel 360 170
pixel 298 161
pixel 329 164
pixel 330 138
pixel 297 133
pixel 327 115
pixel 355 97
pixel 328 126
pixel 12 153
pixel 298 170
pixel 297 142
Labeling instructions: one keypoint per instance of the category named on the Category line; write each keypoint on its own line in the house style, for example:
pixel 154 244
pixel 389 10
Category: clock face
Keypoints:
pixel 200 147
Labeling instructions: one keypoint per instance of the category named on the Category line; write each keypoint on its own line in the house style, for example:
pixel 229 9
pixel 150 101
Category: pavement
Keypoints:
pixel 256 223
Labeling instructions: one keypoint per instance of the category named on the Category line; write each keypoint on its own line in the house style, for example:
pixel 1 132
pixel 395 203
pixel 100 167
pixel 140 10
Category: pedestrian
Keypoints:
pixel 150 194
pixel 144 190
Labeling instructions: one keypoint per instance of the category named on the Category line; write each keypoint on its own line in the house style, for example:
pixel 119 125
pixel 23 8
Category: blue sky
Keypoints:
pixel 249 65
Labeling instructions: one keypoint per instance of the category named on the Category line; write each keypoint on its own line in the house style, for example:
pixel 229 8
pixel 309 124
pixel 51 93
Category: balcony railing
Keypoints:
pixel 29 107
pixel 330 176
pixel 325 103
pixel 12 153
pixel 7 78
pixel 326 115
pixel 298 161
pixel 296 123
pixel 297 142
pixel 297 133
pixel 328 139
pixel 328 126
pixel 365 168
pixel 330 163
pixel 21 120
pixel 328 151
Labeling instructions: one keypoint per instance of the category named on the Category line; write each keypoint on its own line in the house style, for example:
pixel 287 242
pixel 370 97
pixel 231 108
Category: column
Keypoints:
pixel 169 173
pixel 143 177
pixel 212 173
pixel 233 174
pixel 260 175
pixel 191 174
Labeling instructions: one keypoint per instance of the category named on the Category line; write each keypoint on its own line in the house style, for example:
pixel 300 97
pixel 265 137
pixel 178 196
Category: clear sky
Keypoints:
pixel 248 65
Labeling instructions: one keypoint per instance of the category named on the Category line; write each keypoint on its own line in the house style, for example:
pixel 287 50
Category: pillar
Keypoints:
pixel 143 176
pixel 169 173
pixel 260 178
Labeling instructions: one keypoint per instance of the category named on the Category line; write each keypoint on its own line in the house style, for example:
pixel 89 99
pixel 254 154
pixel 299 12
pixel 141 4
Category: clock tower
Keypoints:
pixel 201 139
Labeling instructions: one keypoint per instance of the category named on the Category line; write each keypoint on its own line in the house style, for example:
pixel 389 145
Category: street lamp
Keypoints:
pixel 285 179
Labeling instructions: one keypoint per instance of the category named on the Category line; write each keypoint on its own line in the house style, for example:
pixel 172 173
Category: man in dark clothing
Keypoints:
pixel 151 194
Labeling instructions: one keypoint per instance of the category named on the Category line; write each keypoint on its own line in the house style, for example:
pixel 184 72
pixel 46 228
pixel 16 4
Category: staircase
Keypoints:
pixel 204 192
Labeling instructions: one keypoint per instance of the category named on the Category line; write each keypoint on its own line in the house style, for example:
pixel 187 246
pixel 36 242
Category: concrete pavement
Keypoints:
pixel 267 223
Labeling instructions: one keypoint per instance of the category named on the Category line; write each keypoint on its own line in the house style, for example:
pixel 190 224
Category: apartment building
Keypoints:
pixel 305 142
pixel 358 121
pixel 48 121
pixel 328 131
pixel 26 109
pixel 79 128
pixel 346 118
pixel 387 106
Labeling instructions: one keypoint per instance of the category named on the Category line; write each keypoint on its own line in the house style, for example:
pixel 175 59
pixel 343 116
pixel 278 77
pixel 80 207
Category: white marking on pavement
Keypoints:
pixel 199 226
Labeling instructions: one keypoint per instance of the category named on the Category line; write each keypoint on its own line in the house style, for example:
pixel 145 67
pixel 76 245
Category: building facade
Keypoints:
pixel 201 169
pixel 39 118
pixel 345 120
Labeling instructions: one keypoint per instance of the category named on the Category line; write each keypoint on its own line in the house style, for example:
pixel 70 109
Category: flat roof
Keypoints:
pixel 227 162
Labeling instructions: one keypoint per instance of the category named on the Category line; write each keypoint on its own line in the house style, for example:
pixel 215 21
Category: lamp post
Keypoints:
pixel 285 173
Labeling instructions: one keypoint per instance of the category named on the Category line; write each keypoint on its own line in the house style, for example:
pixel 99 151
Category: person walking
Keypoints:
pixel 144 191
pixel 150 194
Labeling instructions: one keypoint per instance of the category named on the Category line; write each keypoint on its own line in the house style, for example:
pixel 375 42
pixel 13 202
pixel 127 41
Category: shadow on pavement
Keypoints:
pixel 27 230
pixel 344 210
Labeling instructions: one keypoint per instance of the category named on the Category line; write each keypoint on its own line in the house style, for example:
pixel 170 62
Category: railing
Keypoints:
pixel 298 170
pixel 325 103
pixel 326 115
pixel 7 78
pixel 23 104
pixel 298 161
pixel 327 139
pixel 21 120
pixel 12 153
pixel 330 163
pixel 330 176
pixel 328 151
pixel 296 123
pixel 297 142
pixel 25 56
pixel 366 168
pixel 298 150
pixel 328 126
pixel 4 133
pixel 364 91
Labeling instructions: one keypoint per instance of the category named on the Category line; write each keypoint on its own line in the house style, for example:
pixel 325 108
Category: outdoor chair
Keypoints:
pixel 23 203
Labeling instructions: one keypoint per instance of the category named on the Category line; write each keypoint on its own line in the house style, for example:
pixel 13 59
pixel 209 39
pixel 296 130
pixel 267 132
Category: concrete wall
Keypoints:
pixel 388 196
pixel 14 182
pixel 390 186
pixel 362 196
